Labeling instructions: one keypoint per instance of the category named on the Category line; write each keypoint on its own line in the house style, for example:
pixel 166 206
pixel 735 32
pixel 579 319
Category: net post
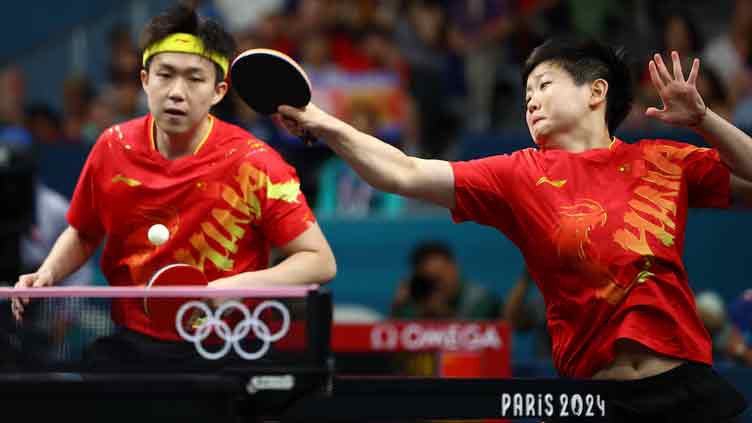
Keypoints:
pixel 319 324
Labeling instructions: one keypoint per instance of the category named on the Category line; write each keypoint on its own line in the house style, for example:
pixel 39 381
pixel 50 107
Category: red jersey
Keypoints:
pixel 602 233
pixel 225 206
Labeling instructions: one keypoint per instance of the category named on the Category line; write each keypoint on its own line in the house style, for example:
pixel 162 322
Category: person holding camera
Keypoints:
pixel 436 290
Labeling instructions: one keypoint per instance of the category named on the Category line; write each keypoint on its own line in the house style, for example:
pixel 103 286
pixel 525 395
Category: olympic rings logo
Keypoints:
pixel 232 337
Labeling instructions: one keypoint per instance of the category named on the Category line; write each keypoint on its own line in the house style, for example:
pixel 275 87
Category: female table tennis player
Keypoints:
pixel 600 222
pixel 225 196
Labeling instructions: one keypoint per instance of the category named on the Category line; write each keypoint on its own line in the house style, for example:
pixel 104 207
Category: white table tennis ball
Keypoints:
pixel 158 234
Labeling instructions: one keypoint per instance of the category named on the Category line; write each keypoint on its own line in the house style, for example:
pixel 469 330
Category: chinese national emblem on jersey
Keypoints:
pixel 573 238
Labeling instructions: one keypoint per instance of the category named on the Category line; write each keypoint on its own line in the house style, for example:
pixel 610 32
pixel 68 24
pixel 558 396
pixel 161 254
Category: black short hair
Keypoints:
pixel 587 60
pixel 183 18
pixel 426 249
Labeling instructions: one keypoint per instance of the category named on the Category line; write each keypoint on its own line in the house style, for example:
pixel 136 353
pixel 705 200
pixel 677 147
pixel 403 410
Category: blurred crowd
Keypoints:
pixel 729 325
pixel 420 74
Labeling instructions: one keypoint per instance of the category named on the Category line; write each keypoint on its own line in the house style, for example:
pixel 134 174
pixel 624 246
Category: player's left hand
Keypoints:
pixel 198 317
pixel 682 103
pixel 226 282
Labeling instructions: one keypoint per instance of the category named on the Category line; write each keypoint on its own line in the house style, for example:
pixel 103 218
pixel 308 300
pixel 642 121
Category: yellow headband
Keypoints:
pixel 185 43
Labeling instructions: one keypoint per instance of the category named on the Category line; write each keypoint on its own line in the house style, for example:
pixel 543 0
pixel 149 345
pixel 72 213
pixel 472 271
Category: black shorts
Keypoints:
pixel 692 392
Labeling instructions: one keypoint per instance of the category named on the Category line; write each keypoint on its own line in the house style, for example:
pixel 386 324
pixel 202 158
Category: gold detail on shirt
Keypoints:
pixel 666 181
pixel 128 181
pixel 575 224
pixel 614 293
pixel 555 183
pixel 655 198
pixel 201 245
pixel 256 145
pixel 286 191
pixel 227 225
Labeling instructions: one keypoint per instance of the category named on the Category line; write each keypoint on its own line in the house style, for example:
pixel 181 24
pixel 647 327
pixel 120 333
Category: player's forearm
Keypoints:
pixel 300 268
pixel 516 298
pixel 381 165
pixel 70 252
pixel 733 145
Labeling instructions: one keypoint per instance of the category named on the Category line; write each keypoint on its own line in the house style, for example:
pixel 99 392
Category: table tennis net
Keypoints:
pixel 67 329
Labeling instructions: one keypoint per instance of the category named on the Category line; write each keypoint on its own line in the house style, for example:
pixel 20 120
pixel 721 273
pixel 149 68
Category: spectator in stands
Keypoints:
pixel 525 312
pixel 740 339
pixel 239 16
pixel 711 89
pixel 712 310
pixel 730 52
pixel 12 132
pixel 316 55
pixel 422 39
pixel 436 289
pixel 124 88
pixel 342 192
pixel 478 31
pixel 103 114
pixel 681 34
pixel 78 95
pixel 49 211
pixel 380 51
pixel 44 124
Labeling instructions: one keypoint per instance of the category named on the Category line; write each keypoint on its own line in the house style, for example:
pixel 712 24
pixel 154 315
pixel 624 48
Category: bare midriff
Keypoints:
pixel 636 361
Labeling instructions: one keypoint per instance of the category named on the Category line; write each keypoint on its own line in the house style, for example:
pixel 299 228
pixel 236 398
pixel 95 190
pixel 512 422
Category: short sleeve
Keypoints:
pixel 285 212
pixel 84 212
pixel 708 179
pixel 481 192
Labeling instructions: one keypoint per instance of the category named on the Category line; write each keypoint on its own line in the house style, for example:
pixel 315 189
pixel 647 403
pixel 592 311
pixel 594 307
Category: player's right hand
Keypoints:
pixel 310 119
pixel 29 280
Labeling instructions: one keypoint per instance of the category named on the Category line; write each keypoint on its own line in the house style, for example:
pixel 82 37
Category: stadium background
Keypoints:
pixel 47 44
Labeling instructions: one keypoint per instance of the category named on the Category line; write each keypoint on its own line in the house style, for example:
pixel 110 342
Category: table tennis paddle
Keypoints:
pixel 266 79
pixel 162 311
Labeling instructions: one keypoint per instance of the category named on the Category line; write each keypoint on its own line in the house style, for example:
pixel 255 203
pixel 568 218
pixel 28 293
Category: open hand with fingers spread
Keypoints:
pixel 29 280
pixel 682 103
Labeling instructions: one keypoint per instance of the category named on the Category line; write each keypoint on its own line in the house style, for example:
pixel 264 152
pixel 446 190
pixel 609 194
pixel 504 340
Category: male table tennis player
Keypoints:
pixel 600 222
pixel 226 197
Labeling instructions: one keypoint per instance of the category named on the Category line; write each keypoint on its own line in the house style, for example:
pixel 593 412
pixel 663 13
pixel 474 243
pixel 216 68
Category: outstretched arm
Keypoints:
pixel 683 106
pixel 378 163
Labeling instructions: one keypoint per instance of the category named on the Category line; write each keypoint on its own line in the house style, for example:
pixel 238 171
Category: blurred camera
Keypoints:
pixel 17 214
pixel 422 286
